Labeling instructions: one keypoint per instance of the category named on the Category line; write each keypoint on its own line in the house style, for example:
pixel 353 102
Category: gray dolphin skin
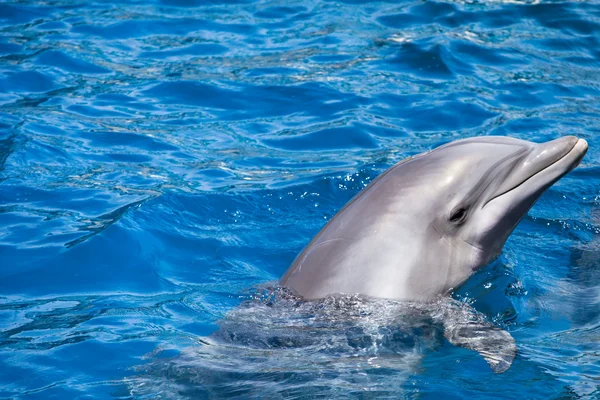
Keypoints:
pixel 427 223
pixel 424 226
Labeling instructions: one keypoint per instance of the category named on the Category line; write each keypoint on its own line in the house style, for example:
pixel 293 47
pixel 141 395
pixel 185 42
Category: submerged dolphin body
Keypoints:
pixel 276 346
pixel 429 222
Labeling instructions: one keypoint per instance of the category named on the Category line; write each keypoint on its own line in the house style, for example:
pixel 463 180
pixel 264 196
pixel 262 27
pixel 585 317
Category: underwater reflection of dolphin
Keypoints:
pixel 425 225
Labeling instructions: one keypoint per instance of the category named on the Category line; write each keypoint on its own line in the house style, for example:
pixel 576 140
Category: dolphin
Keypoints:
pixel 425 225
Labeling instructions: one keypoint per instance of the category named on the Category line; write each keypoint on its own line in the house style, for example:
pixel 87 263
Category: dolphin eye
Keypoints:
pixel 458 215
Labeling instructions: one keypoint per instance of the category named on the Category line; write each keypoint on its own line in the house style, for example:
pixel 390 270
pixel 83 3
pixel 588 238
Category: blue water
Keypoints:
pixel 159 158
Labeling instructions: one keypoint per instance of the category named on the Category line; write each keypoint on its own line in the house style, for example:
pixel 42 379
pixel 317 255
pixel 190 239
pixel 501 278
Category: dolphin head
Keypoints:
pixel 489 185
pixel 426 224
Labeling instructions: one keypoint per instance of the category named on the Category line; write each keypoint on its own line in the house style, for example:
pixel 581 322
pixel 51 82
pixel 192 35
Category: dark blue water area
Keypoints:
pixel 158 159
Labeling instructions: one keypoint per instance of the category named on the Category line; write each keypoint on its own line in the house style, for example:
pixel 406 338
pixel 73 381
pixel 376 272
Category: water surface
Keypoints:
pixel 159 158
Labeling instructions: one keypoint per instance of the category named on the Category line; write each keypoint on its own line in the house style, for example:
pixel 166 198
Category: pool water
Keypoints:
pixel 160 159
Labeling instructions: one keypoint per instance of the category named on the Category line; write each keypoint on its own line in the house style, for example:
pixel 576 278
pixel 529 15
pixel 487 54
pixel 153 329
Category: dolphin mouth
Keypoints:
pixel 562 162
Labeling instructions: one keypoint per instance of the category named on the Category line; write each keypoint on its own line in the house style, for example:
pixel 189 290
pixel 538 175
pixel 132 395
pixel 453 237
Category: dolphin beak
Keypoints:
pixel 546 162
pixel 545 154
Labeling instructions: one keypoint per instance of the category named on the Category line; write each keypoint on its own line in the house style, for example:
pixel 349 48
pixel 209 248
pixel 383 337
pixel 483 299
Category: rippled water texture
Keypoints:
pixel 159 158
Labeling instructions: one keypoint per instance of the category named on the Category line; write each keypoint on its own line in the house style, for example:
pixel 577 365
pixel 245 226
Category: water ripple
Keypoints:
pixel 159 158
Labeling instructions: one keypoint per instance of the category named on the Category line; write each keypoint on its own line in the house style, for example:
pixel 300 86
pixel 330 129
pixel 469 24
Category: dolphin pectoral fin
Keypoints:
pixel 495 345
